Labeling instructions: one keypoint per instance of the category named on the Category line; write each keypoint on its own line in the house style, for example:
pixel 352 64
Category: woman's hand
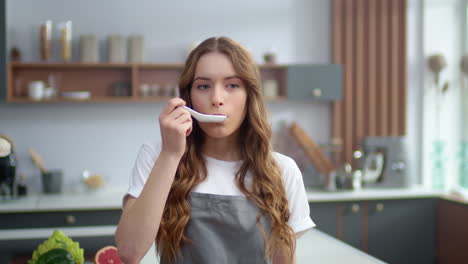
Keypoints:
pixel 175 124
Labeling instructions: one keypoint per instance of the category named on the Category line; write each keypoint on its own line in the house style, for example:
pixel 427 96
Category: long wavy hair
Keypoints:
pixel 255 147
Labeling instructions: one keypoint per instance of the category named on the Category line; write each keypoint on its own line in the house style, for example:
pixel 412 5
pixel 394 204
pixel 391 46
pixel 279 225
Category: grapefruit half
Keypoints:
pixel 107 255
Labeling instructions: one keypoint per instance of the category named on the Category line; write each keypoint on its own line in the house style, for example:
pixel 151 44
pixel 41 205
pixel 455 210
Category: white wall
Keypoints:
pixel 415 60
pixel 297 30
pixel 105 137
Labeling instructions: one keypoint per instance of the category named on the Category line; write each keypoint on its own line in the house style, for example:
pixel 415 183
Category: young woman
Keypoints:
pixel 214 192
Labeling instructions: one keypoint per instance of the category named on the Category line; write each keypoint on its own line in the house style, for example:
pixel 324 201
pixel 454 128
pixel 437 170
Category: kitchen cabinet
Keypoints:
pixel 350 219
pixel 59 219
pixel 402 231
pixel 452 232
pixel 22 232
pixel 322 82
pixel 3 50
pixel 341 219
pixel 325 216
pixel 395 231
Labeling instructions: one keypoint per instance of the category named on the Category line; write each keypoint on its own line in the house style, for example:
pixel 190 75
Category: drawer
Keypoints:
pixel 57 219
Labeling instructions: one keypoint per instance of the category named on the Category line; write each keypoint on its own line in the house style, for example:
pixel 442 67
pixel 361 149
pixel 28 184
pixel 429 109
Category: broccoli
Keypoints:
pixel 59 240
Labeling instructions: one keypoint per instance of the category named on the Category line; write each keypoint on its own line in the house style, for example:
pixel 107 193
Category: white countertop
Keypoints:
pixel 313 247
pixel 111 198
pixel 318 247
pixel 320 195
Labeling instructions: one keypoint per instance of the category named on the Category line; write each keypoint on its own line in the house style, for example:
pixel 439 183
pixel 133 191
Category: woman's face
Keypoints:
pixel 217 89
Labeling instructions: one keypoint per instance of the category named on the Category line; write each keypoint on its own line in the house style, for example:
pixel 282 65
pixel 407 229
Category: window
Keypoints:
pixel 444 131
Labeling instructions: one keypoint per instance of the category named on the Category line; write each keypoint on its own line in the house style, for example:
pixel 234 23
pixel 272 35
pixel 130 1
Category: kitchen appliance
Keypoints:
pixel 7 168
pixel 384 164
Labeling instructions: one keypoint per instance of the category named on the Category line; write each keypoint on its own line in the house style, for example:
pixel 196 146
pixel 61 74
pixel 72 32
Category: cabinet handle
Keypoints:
pixel 70 219
pixel 355 208
pixel 379 207
pixel 317 92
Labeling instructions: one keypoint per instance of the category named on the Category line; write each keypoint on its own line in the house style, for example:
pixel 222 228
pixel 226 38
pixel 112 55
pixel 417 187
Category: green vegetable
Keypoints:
pixel 56 256
pixel 59 240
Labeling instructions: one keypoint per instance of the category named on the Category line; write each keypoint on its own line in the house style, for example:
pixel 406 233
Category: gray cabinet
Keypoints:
pixel 402 231
pixel 55 220
pixel 3 51
pixel 325 216
pixel 339 219
pixel 315 82
pixel 352 219
pixel 395 231
pixel 59 219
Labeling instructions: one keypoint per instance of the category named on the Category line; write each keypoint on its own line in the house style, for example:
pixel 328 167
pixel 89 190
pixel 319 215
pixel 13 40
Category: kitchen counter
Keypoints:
pixel 111 198
pixel 321 195
pixel 318 247
pixel 313 247
pixel 108 198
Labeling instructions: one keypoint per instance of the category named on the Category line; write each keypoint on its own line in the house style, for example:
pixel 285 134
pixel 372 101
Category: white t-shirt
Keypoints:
pixel 221 180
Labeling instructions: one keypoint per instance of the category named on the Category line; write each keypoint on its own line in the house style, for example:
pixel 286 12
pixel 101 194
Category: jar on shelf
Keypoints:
pixel 145 90
pixel 270 88
pixel 155 89
pixel 36 90
pixel 121 88
pixel 65 29
pixel 135 48
pixel 89 50
pixel 116 49
pixel 45 35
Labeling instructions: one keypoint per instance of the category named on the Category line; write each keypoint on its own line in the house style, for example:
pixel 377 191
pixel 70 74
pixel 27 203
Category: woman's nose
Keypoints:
pixel 217 97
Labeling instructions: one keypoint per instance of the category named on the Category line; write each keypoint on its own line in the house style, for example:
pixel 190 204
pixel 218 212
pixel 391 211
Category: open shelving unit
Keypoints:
pixel 99 79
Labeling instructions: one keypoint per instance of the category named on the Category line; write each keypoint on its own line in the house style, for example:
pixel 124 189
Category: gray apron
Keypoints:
pixel 223 229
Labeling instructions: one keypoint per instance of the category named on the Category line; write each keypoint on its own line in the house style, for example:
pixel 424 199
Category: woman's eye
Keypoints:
pixel 202 86
pixel 233 85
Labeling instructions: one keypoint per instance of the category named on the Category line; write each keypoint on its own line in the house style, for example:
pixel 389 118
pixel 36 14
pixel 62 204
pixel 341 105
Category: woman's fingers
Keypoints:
pixel 186 123
pixel 187 126
pixel 172 105
pixel 184 117
pixel 179 113
pixel 175 124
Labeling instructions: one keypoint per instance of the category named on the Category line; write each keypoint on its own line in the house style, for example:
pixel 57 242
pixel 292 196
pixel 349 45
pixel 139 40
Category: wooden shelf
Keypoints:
pixel 49 65
pixel 160 66
pixel 96 99
pixel 101 78
pixel 118 65
pixel 272 66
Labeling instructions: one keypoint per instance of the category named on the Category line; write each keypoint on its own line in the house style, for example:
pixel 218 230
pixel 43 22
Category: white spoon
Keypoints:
pixel 203 117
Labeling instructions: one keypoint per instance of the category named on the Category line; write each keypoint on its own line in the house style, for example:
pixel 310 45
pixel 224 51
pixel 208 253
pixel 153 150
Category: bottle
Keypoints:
pixel 45 35
pixel 21 188
pixel 65 40
pixel 15 54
